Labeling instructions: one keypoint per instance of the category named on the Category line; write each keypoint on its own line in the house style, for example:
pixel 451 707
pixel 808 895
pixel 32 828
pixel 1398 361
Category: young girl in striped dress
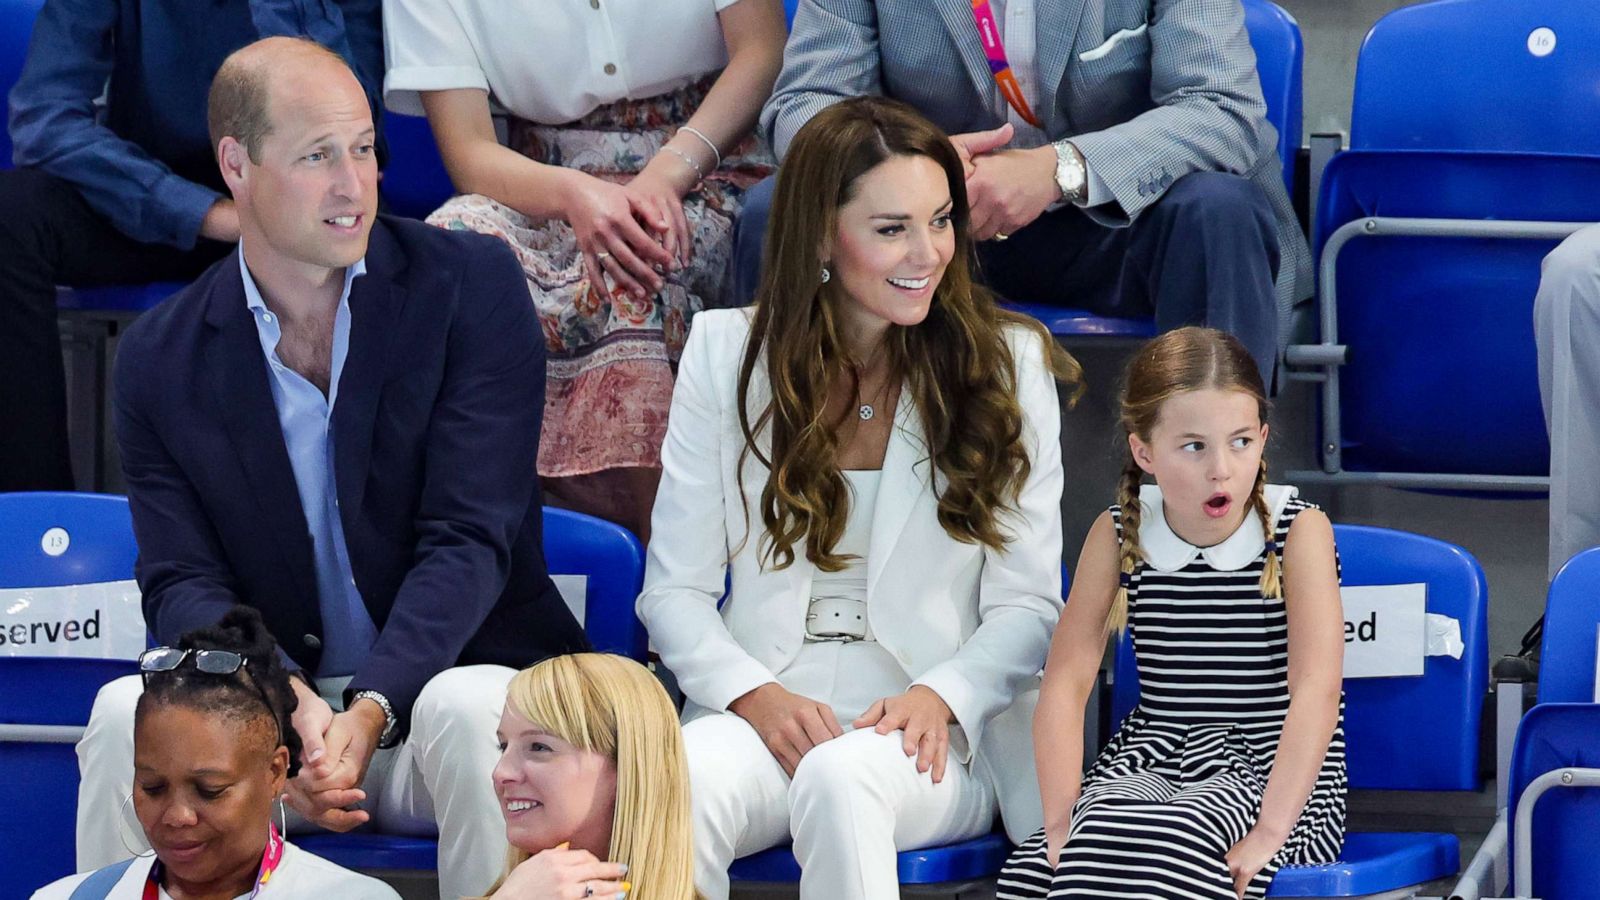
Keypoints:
pixel 1232 765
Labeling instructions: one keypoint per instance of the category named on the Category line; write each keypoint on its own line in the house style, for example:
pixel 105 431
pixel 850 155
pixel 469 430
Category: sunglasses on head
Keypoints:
pixel 212 662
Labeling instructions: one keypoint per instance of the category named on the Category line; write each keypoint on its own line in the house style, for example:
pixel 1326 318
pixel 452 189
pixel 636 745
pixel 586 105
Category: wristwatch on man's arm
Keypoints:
pixel 390 735
pixel 1072 176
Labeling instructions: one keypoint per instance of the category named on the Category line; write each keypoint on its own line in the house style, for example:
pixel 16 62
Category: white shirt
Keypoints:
pixel 549 62
pixel 300 874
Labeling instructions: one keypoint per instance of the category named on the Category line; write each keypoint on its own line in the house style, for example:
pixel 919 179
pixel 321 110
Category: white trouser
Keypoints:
pixel 853 802
pixel 439 774
pixel 1566 325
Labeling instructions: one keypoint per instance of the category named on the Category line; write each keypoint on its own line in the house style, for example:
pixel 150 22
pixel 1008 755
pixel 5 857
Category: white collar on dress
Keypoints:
pixel 1166 552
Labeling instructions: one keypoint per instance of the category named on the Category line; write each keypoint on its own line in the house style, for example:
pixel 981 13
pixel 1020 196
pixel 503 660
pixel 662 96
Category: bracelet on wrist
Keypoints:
pixel 688 160
pixel 707 141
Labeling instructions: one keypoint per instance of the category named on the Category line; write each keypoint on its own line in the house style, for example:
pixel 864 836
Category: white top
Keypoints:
pixel 549 62
pixel 300 874
pixel 850 583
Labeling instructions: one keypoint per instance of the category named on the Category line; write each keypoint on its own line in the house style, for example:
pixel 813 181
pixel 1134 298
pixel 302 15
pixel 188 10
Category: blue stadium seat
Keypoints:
pixel 46 701
pixel 1558 741
pixel 612 560
pixel 16 24
pixel 1418 734
pixel 1554 740
pixel 1571 624
pixel 1456 117
pixel 415 182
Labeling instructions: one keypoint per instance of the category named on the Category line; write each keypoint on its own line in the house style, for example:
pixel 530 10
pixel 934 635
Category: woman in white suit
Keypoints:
pixel 890 513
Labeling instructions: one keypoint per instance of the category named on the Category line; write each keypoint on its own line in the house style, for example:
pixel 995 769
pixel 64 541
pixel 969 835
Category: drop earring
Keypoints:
pixel 826 275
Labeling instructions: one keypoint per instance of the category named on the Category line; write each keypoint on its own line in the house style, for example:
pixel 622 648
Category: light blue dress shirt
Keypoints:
pixel 306 418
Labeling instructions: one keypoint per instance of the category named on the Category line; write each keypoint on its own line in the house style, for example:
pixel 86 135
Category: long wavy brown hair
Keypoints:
pixel 956 363
pixel 1183 360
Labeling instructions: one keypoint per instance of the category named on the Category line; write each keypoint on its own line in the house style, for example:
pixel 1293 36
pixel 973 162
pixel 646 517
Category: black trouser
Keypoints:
pixel 50 236
pixel 1206 253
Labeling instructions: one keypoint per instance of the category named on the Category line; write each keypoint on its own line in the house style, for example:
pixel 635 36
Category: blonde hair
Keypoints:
pixel 1187 359
pixel 612 705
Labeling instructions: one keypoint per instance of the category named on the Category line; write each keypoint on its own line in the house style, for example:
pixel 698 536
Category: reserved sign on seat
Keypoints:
pixel 1389 633
pixel 97 621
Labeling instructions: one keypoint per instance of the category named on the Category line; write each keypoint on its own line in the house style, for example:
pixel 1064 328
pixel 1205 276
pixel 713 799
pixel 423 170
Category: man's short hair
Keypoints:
pixel 236 106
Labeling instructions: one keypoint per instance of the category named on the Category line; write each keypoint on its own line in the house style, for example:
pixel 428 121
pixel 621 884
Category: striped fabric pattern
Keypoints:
pixel 1181 782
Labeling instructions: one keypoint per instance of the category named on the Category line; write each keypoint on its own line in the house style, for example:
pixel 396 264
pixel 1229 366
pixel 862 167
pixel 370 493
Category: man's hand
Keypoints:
pixel 336 752
pixel 1009 189
pixel 973 144
pixel 789 724
pixel 221 222
pixel 925 718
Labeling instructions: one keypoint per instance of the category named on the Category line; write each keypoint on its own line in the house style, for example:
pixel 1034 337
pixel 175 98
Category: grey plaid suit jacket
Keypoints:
pixel 1148 90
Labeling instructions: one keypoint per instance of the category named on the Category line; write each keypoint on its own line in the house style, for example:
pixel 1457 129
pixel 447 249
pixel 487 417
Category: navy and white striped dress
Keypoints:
pixel 1181 782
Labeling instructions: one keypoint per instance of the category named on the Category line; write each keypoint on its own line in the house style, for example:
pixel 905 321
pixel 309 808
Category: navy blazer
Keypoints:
pixel 436 436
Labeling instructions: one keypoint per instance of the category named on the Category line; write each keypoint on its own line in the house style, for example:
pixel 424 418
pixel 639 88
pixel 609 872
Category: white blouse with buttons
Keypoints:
pixel 549 61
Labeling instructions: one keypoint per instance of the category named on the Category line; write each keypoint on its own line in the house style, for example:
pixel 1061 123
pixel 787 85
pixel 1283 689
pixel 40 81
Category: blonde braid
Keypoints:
pixel 1131 513
pixel 1271 580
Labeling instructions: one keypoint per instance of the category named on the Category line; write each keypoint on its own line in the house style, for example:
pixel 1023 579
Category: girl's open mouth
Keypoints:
pixel 1218 505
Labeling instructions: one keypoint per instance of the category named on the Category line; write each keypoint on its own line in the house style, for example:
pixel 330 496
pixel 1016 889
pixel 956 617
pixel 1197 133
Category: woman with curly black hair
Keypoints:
pixel 212 748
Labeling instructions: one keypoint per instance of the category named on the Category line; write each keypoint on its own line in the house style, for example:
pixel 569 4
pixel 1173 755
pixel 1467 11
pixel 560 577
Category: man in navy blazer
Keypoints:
pixel 338 425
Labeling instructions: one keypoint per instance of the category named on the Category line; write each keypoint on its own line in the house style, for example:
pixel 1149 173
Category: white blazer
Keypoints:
pixel 970 623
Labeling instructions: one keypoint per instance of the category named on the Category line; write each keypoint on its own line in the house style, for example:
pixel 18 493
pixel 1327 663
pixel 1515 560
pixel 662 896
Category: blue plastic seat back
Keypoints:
pixel 98 539
pixel 612 560
pixel 98 547
pixel 1280 59
pixel 16 26
pixel 1442 373
pixel 1571 627
pixel 1566 820
pixel 1400 733
pixel 1465 75
pixel 415 182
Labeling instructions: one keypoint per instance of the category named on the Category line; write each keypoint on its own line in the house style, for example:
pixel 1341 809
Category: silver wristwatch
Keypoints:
pixel 1071 175
pixel 390 735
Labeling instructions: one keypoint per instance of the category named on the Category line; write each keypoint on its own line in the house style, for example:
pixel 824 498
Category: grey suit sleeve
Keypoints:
pixel 832 54
pixel 1209 115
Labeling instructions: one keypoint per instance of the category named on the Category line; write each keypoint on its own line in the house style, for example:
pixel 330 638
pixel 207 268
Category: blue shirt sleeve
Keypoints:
pixel 54 128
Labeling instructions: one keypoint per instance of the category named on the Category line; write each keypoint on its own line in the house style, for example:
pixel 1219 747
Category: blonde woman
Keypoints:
pixel 593 784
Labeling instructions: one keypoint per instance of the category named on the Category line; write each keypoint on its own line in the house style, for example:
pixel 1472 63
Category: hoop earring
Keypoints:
pixel 826 275
pixel 122 816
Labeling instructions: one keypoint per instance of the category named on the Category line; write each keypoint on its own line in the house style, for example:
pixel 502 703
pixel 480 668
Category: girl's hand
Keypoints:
pixel 562 874
pixel 604 219
pixel 1250 856
pixel 924 717
pixel 657 196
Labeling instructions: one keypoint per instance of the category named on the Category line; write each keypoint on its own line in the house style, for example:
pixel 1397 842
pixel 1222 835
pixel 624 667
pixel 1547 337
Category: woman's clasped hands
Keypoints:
pixel 635 233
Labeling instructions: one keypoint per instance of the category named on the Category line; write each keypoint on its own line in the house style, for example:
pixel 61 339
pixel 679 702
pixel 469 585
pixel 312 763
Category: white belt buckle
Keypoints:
pixel 836 619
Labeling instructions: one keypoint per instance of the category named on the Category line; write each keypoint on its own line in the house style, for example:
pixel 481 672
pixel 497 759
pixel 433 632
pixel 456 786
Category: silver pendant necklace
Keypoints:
pixel 865 410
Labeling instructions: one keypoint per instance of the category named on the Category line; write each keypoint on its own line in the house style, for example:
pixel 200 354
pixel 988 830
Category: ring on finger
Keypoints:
pixel 588 889
pixel 602 256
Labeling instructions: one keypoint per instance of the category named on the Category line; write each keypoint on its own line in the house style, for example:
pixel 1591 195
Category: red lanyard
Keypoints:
pixel 270 858
pixel 999 66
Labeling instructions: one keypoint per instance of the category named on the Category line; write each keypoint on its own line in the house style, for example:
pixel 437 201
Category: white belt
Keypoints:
pixel 837 619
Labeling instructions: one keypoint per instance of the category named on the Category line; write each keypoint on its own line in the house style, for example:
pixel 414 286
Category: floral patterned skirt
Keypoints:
pixel 612 356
